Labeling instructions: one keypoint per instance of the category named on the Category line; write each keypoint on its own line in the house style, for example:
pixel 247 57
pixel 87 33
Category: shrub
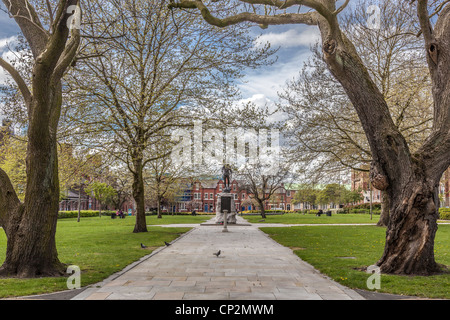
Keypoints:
pixel 444 213
pixel 266 211
pixel 375 205
pixel 83 213
pixel 184 213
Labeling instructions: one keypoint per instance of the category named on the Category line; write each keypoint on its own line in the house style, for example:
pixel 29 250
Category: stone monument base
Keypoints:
pixel 225 201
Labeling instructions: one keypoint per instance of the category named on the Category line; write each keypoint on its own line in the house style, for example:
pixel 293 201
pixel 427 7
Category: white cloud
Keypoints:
pixel 6 55
pixel 294 44
pixel 305 36
pixel 270 80
pixel 4 42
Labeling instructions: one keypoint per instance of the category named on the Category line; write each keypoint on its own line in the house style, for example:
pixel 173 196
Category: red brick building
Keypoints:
pixel 202 197
pixel 360 181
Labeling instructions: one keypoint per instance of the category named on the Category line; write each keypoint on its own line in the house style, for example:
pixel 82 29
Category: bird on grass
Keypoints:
pixel 217 254
pixel 166 243
pixel 143 246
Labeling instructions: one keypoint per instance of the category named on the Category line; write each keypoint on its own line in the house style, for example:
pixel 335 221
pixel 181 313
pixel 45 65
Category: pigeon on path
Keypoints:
pixel 217 254
pixel 167 244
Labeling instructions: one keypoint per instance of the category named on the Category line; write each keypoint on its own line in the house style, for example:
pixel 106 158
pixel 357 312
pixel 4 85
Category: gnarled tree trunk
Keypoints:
pixel 410 180
pixel 412 227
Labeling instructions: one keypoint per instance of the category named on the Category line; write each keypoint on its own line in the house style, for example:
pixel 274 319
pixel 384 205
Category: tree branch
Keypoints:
pixel 309 18
pixel 68 55
pixel 50 12
pixel 28 21
pixel 56 44
pixel 424 19
pixel 438 143
pixel 341 8
pixel 18 79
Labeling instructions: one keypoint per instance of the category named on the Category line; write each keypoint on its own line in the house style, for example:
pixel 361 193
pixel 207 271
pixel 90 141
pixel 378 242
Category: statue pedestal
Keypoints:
pixel 225 201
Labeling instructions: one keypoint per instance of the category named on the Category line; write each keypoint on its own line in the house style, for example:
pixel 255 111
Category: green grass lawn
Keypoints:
pixel 339 251
pixel 99 246
pixel 297 218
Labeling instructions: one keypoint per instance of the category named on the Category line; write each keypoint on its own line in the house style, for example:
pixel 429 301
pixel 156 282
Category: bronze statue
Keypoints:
pixel 226 174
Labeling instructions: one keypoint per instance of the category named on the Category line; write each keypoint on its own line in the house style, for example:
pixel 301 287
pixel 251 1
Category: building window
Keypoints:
pixel 235 196
pixel 243 196
pixel 288 193
pixel 211 196
pixel 206 196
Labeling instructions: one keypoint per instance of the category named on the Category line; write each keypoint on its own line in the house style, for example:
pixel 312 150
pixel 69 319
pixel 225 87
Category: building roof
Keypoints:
pixel 209 184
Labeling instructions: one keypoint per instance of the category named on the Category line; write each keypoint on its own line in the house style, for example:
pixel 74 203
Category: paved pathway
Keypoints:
pixel 251 266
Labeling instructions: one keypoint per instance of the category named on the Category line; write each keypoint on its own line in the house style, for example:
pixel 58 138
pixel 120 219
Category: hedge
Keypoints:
pixel 266 211
pixel 184 213
pixel 375 205
pixel 444 213
pixel 94 213
pixel 83 213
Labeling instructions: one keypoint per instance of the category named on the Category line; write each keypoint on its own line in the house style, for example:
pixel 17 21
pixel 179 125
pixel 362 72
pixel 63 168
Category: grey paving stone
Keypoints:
pixel 251 266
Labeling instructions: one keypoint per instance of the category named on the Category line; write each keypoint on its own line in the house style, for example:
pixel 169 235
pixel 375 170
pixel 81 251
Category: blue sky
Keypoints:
pixel 259 85
pixel 294 43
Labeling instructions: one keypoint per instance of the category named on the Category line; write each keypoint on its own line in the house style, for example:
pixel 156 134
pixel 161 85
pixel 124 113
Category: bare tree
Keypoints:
pixel 324 129
pixel 162 176
pixel 151 69
pixel 410 179
pixel 261 183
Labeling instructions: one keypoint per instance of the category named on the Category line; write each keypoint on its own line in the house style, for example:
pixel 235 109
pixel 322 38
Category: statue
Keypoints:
pixel 226 174
pixel 225 199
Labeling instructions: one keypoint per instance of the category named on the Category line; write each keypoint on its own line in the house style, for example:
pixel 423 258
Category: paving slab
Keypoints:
pixel 251 266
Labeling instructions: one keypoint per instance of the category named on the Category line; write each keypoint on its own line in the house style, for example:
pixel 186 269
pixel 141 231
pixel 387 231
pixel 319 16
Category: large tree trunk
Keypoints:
pixel 412 227
pixel 139 197
pixel 31 227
